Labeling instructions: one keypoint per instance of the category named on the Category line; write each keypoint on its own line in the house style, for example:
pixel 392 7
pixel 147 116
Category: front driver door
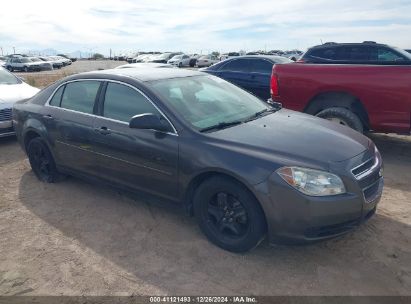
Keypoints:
pixel 141 159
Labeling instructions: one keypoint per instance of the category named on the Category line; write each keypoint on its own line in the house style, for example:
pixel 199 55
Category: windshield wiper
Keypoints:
pixel 261 113
pixel 221 125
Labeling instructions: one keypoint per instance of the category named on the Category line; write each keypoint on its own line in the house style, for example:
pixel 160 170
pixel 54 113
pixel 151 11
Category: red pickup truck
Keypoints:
pixel 365 97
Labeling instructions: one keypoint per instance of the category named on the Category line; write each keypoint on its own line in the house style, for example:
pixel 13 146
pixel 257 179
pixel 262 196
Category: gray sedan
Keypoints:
pixel 245 169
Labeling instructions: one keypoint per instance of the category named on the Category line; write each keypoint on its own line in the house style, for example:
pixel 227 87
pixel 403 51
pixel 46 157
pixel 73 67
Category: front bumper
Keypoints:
pixel 6 129
pixel 295 218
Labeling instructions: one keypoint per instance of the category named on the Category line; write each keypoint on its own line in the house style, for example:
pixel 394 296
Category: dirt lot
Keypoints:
pixel 74 238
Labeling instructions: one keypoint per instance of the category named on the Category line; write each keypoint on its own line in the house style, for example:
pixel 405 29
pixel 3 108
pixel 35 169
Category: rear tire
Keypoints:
pixel 41 161
pixel 229 215
pixel 10 68
pixel 25 69
pixel 344 117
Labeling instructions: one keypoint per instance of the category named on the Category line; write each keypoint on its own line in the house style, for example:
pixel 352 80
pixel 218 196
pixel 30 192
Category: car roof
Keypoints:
pixel 271 57
pixel 143 74
pixel 332 44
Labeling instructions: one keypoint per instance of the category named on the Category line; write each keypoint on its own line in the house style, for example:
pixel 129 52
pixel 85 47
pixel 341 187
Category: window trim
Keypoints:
pixel 100 99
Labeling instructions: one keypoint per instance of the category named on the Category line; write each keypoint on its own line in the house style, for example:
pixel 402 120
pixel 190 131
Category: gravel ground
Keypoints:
pixel 75 238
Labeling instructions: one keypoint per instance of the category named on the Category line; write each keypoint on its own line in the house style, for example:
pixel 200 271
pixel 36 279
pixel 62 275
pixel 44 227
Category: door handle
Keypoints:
pixel 48 117
pixel 103 130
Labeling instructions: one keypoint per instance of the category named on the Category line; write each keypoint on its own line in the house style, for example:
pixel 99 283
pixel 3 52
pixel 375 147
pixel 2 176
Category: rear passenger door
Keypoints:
pixel 237 71
pixel 141 159
pixel 69 120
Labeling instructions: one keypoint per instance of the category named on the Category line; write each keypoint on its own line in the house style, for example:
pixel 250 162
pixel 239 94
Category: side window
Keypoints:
pixel 324 53
pixel 55 101
pixel 354 53
pixel 122 103
pixel 384 54
pixel 238 65
pixel 261 66
pixel 80 96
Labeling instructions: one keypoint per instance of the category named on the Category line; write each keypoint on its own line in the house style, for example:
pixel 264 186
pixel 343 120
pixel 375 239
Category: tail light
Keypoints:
pixel 300 60
pixel 274 85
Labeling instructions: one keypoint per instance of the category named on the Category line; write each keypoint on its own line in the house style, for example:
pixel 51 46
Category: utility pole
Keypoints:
pixel 1 50
pixel 14 50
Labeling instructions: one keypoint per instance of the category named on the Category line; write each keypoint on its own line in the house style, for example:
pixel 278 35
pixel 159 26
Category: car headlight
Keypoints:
pixel 312 182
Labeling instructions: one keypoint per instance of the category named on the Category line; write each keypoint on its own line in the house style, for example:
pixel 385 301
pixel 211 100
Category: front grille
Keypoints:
pixel 369 178
pixel 5 114
pixel 364 167
pixel 373 192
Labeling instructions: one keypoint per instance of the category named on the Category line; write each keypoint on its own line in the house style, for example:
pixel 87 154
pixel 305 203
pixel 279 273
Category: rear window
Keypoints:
pixel 80 96
pixel 261 66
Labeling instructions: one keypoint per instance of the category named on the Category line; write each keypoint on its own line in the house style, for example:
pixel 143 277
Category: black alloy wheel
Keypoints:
pixel 229 214
pixel 41 161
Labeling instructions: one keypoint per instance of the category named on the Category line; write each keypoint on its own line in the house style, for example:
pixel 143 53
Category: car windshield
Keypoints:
pixel 177 57
pixel 8 78
pixel 207 102
pixel 24 60
pixel 35 59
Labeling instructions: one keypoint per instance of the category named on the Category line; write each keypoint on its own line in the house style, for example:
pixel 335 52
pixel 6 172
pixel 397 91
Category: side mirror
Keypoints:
pixel 149 121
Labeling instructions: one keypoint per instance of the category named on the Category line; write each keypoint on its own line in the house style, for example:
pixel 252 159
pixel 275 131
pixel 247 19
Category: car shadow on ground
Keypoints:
pixel 165 248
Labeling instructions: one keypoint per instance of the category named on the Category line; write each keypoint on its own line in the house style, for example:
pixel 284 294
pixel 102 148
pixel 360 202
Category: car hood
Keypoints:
pixel 10 93
pixel 294 137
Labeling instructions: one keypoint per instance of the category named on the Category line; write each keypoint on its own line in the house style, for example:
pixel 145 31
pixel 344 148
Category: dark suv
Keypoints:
pixel 368 52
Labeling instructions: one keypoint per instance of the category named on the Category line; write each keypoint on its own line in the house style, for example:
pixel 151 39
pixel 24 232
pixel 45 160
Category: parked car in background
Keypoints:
pixel 206 61
pixel 65 60
pixel 367 52
pixel 408 50
pixel 229 55
pixel 164 57
pixel 181 60
pixel 44 66
pixel 71 58
pixel 369 97
pixel 62 60
pixel 145 65
pixel 3 61
pixel 193 60
pixel 245 169
pixel 293 55
pixel 12 89
pixel 57 64
pixel 22 64
pixel 252 73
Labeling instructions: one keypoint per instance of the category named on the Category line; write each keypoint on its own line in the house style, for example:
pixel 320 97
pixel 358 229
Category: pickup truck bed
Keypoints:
pixel 378 96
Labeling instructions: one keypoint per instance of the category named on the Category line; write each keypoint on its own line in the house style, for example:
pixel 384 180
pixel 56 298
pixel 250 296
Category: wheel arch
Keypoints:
pixel 342 99
pixel 198 179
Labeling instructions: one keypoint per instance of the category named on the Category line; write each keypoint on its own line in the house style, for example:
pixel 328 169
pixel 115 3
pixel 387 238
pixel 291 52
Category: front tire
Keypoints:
pixel 229 215
pixel 25 69
pixel 343 117
pixel 41 161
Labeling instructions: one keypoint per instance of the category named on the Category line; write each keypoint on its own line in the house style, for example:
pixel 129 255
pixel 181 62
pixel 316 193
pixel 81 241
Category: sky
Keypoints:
pixel 199 26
